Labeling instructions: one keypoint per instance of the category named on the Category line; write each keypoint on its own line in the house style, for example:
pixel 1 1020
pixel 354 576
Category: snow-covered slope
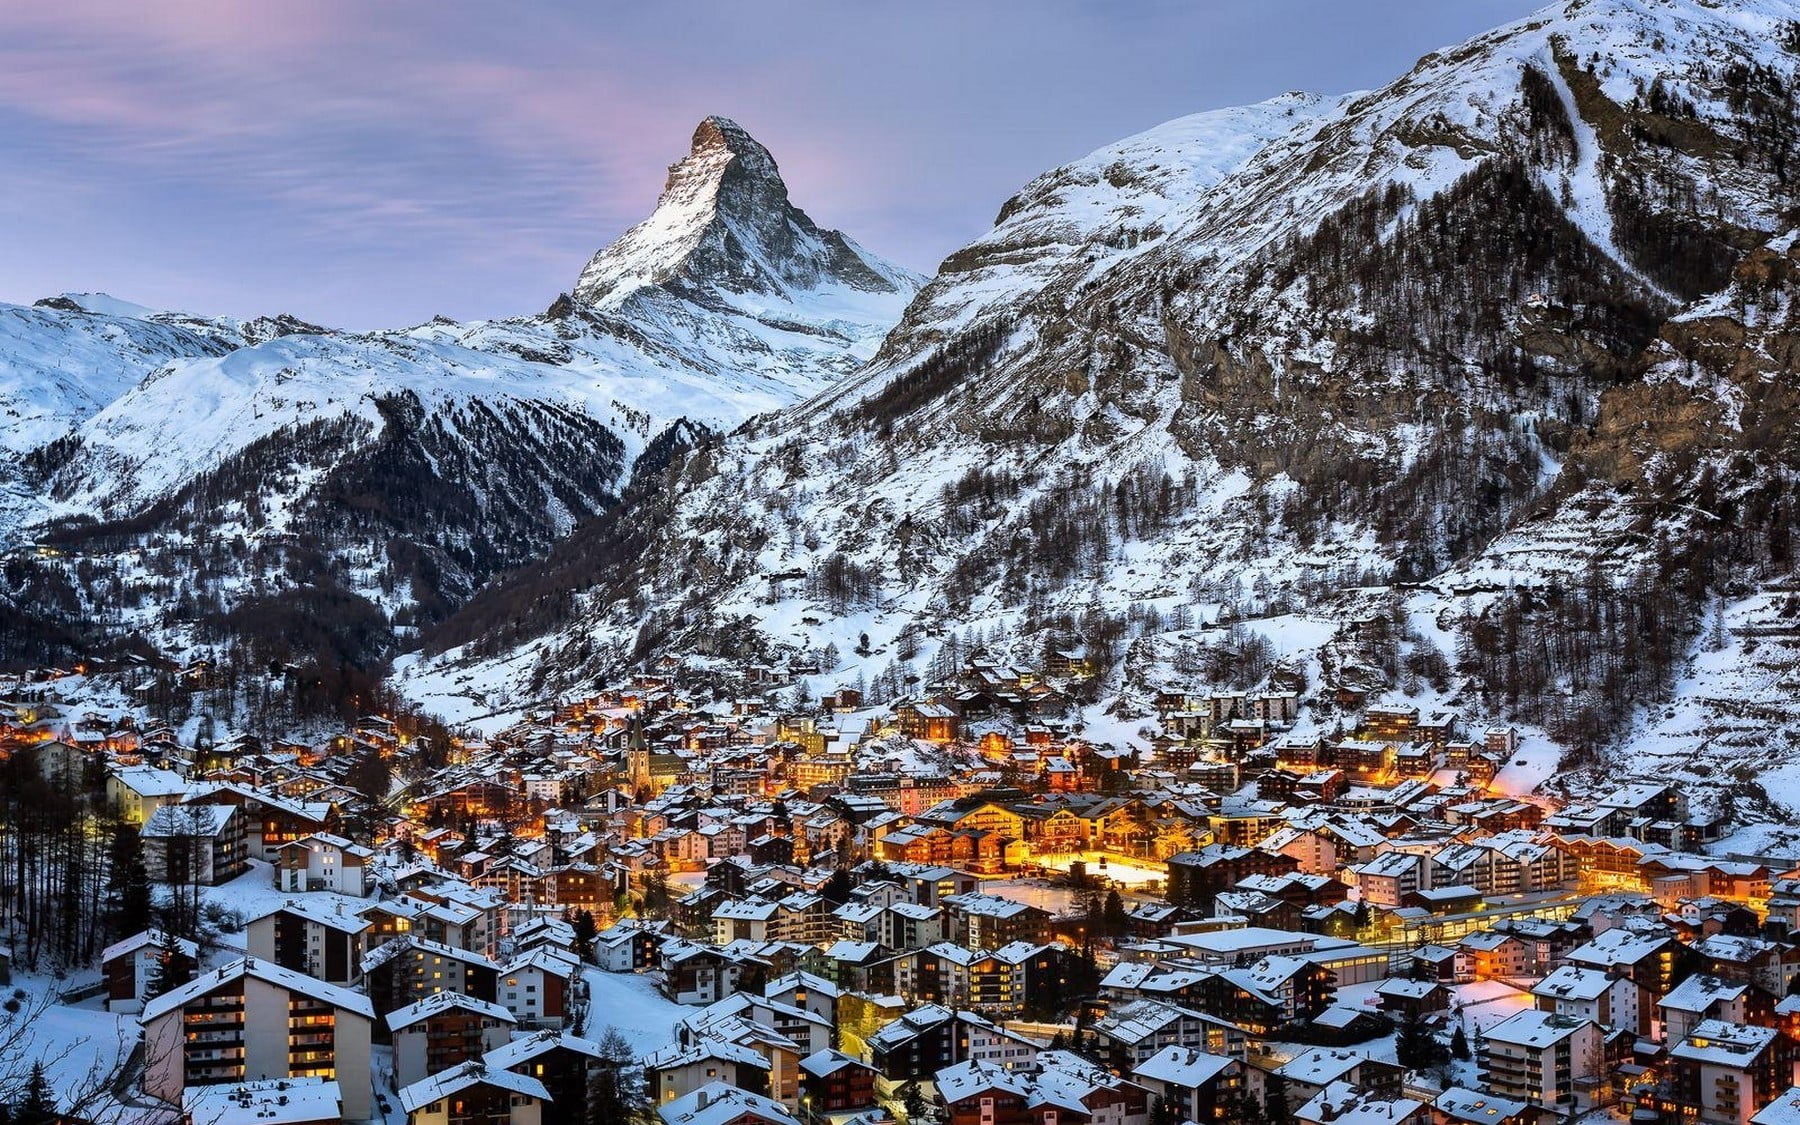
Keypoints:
pixel 1245 363
pixel 407 467
pixel 60 365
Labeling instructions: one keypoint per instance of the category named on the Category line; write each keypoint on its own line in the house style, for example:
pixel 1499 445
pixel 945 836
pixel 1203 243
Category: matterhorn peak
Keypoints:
pixel 723 224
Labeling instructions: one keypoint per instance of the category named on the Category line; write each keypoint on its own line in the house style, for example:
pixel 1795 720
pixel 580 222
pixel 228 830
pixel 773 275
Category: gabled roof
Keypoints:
pixel 1700 992
pixel 717 1103
pixel 1182 1066
pixel 1572 982
pixel 526 1048
pixel 144 938
pixel 440 1002
pixel 967 1079
pixel 1724 1044
pixel 820 1064
pixel 343 998
pixel 443 1085
pixel 314 910
pixel 1461 1104
pixel 1532 1028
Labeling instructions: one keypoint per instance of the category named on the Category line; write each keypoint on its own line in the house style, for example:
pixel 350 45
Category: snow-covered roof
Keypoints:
pixel 454 1081
pixel 1784 1110
pixel 1572 982
pixel 1182 1066
pixel 717 1104
pixel 440 1002
pixel 315 909
pixel 266 1101
pixel 1461 1104
pixel 343 998
pixel 1532 1028
pixel 528 1047
pixel 1699 992
pixel 1724 1044
pixel 138 941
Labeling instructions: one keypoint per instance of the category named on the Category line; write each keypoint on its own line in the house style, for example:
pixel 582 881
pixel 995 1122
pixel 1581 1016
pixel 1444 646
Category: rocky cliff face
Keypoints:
pixel 724 226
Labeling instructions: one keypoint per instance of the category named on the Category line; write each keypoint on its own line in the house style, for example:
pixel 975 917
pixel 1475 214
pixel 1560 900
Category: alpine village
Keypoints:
pixel 1297 626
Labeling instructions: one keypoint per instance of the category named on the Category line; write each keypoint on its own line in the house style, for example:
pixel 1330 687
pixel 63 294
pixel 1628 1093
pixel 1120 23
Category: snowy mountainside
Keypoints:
pixel 64 364
pixel 398 470
pixel 1234 368
pixel 1674 516
pixel 724 228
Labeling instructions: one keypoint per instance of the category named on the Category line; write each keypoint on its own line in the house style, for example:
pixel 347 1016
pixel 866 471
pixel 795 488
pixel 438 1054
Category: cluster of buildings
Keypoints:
pixel 859 914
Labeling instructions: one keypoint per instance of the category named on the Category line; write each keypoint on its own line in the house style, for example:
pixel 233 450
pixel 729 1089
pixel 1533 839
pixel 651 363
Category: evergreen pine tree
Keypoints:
pixel 912 1100
pixel 610 1096
pixel 136 902
pixel 1416 1048
pixel 837 888
pixel 1459 1044
pixel 39 1106
pixel 1275 1100
pixel 173 968
pixel 1113 915
pixel 582 921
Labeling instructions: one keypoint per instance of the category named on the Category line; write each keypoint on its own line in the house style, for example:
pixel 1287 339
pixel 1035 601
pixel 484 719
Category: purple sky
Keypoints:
pixel 372 164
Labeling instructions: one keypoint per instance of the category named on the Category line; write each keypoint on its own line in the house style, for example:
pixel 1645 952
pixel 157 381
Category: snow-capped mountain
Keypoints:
pixel 1264 363
pixel 724 227
pixel 406 467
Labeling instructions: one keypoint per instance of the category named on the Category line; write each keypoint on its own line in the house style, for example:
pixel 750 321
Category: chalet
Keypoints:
pixel 1310 1072
pixel 185 844
pixel 1344 1102
pixel 931 1037
pixel 1413 998
pixel 1495 954
pixel 1195 1085
pixel 323 862
pixel 564 1063
pixel 627 946
pixel 1548 1060
pixel 309 937
pixel 475 1092
pixel 202 1033
pixel 270 820
pixel 138 791
pixel 1727 1071
pixel 131 965
pixel 444 1030
pixel 1703 997
pixel 402 972
pixel 1649 956
pixel 832 1082
pixel 985 921
pixel 678 1069
pixel 929 722
pixel 537 988
pixel 1130 1034
pixel 1461 1106
pixel 1614 1002
pixel 719 1104
pixel 1196 877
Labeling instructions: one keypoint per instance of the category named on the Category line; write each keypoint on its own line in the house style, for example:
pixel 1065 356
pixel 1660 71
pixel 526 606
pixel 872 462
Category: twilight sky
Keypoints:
pixel 373 164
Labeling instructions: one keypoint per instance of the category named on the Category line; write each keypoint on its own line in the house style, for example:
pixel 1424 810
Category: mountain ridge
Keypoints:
pixel 1345 358
pixel 396 470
